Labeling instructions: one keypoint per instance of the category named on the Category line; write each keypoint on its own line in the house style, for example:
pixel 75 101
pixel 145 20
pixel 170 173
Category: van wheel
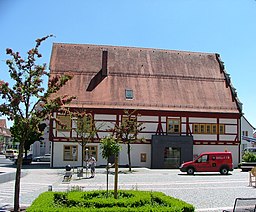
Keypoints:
pixel 190 171
pixel 224 170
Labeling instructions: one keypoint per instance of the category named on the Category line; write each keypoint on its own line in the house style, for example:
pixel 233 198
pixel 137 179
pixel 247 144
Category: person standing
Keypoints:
pixel 92 163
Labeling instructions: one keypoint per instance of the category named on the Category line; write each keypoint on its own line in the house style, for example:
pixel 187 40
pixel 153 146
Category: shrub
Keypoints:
pixel 128 200
pixel 249 157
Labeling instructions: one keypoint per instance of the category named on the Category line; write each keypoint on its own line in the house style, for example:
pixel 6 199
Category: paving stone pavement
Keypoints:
pixel 206 191
pixel 34 182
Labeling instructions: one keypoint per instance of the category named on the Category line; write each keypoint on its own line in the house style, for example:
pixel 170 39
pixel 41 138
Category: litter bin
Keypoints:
pixel 79 171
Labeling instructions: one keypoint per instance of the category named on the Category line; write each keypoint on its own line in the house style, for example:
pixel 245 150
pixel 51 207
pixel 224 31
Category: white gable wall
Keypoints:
pixel 246 127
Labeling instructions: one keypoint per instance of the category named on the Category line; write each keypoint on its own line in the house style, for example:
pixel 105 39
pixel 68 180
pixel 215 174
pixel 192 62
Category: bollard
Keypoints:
pixel 49 187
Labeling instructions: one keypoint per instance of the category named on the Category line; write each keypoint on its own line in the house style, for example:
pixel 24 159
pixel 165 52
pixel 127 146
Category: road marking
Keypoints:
pixel 158 184
pixel 213 209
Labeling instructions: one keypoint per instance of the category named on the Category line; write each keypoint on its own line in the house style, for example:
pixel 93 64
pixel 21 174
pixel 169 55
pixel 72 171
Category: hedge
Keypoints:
pixel 128 200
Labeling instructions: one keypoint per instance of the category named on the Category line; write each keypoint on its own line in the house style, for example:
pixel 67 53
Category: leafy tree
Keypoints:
pixel 26 101
pixel 109 147
pixel 86 129
pixel 249 157
pixel 128 131
pixel 1 142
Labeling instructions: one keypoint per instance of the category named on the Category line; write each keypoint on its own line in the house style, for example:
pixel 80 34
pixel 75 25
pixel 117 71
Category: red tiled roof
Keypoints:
pixel 160 79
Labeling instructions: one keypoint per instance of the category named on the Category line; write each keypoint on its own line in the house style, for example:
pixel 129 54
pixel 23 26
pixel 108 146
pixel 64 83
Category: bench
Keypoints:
pixel 244 204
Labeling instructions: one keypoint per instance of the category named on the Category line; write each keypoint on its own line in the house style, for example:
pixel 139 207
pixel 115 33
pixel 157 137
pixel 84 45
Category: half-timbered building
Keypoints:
pixel 185 100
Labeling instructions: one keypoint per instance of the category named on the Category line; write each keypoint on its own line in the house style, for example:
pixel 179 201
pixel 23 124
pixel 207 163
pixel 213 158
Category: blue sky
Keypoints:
pixel 226 27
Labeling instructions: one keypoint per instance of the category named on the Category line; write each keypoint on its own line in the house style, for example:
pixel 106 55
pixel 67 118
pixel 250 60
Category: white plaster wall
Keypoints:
pixel 164 125
pixel 203 137
pixel 147 118
pixel 37 149
pixel 246 126
pixel 227 121
pixel 227 138
pixel 104 117
pixel 230 129
pixel 183 128
pixel 198 149
pixel 103 134
pixel 203 120
pixel 152 127
pixel 144 135
pixel 63 134
pixel 136 150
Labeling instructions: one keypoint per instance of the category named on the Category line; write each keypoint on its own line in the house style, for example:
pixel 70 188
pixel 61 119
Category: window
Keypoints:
pixel 65 121
pixel 70 153
pixel 214 129
pixel 90 150
pixel 221 129
pixel 245 133
pixel 42 144
pixel 173 125
pixel 203 159
pixel 202 128
pixel 196 128
pixel 208 128
pixel 128 94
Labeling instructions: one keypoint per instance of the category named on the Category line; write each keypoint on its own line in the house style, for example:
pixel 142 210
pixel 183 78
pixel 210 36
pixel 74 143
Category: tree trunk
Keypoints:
pixel 116 177
pixel 129 156
pixel 82 154
pixel 17 179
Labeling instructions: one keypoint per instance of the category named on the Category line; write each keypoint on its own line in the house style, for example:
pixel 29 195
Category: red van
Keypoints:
pixel 209 162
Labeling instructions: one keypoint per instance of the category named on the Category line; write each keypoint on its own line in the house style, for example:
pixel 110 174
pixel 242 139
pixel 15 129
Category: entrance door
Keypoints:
pixel 172 157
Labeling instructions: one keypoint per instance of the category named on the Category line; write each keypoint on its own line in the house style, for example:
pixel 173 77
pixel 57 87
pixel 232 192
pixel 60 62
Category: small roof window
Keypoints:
pixel 128 94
